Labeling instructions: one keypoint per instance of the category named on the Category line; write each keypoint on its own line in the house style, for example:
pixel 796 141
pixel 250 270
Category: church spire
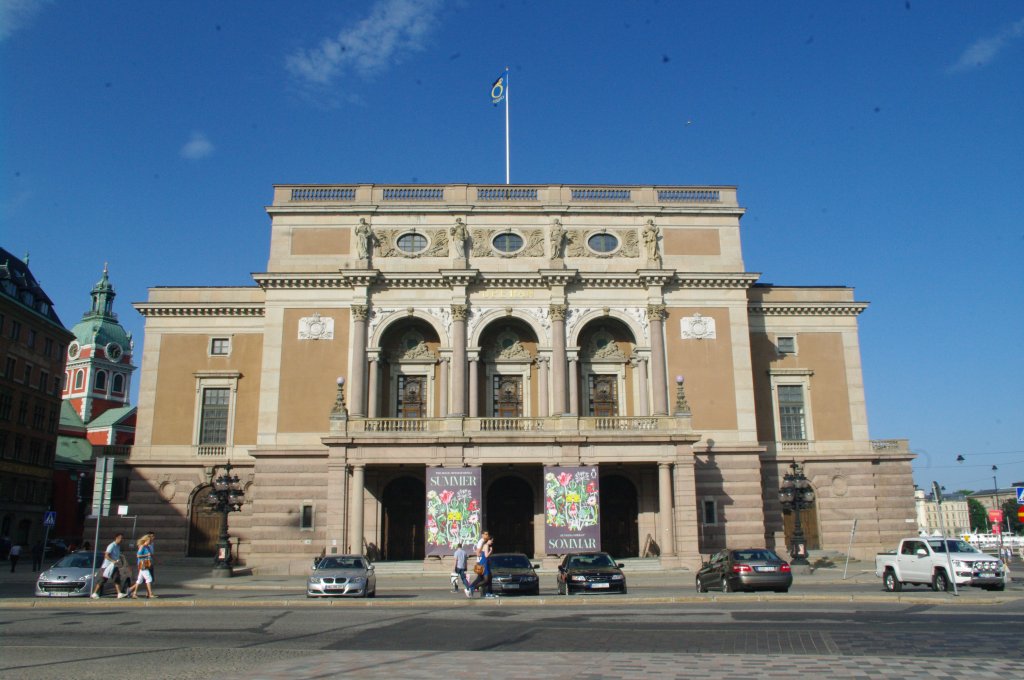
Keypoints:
pixel 103 297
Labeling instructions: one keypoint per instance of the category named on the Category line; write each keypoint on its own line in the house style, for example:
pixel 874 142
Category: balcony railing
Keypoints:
pixel 211 450
pixel 563 424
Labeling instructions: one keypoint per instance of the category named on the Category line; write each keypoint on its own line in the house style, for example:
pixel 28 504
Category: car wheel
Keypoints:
pixel 726 586
pixel 940 582
pixel 623 590
pixel 998 588
pixel 782 590
pixel 701 588
pixel 891 583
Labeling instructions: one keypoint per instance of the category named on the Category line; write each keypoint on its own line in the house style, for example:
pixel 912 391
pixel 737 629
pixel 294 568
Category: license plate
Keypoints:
pixel 59 594
pixel 767 568
pixel 335 587
pixel 598 585
pixel 510 586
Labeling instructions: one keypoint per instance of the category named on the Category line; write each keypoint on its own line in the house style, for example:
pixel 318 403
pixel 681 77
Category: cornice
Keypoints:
pixel 807 308
pixel 288 281
pixel 148 310
pixel 701 280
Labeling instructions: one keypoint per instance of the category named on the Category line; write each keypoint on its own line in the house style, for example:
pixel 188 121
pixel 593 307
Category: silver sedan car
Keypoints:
pixel 71 576
pixel 341 575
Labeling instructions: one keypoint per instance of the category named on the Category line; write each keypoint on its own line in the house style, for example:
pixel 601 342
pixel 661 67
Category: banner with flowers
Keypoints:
pixel 572 510
pixel 454 513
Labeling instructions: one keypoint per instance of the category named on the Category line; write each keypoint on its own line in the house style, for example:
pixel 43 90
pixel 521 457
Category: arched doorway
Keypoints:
pixel 204 525
pixel 404 513
pixel 509 515
pixel 619 509
pixel 808 524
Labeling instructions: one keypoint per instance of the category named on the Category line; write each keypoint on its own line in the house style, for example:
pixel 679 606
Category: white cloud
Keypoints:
pixel 18 14
pixel 393 29
pixel 985 50
pixel 198 146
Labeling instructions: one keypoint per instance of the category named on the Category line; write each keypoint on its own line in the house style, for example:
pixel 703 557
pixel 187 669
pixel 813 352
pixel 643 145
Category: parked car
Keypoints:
pixel 925 561
pixel 749 569
pixel 513 573
pixel 341 575
pixel 55 548
pixel 71 576
pixel 590 572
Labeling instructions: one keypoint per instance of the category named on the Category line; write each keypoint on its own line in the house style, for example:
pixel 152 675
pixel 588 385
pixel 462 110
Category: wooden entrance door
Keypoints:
pixel 509 515
pixel 204 526
pixel 404 514
pixel 619 509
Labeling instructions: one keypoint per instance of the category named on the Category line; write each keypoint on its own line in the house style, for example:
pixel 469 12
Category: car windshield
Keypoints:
pixel 510 562
pixel 585 561
pixel 78 561
pixel 955 545
pixel 340 563
pixel 755 556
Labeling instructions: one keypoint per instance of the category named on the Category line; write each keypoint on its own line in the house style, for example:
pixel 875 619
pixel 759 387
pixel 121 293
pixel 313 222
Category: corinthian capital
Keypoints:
pixel 656 312
pixel 360 312
pixel 558 312
pixel 460 312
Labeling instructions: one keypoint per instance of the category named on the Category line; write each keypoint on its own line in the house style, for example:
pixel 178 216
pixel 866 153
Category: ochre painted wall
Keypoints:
pixel 707 367
pixel 181 357
pixel 333 241
pixel 692 242
pixel 309 373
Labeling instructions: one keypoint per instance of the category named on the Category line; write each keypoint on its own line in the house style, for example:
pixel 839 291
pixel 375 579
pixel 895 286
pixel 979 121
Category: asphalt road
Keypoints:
pixel 603 637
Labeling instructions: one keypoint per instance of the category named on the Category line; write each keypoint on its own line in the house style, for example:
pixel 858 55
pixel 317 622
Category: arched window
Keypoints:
pixel 119 383
pixel 79 379
pixel 101 380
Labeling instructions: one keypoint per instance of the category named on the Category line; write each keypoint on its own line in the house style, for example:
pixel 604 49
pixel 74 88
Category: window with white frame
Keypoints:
pixel 214 414
pixel 792 413
pixel 786 344
pixel 220 347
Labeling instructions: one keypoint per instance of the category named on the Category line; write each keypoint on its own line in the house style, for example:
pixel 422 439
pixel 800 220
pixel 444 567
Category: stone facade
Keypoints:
pixel 399 328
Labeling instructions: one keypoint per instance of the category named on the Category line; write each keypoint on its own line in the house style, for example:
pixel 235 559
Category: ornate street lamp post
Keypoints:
pixel 227 497
pixel 796 495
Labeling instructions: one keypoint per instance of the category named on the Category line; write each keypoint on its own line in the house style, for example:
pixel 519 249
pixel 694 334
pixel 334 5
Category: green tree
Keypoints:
pixel 978 515
pixel 1010 512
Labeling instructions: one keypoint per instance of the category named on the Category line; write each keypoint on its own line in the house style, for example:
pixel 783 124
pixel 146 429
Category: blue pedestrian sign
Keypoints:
pixel 1020 495
pixel 50 518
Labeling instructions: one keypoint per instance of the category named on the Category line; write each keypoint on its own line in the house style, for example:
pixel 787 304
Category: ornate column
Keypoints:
pixel 442 406
pixel 355 534
pixel 474 385
pixel 543 408
pixel 667 538
pixel 558 365
pixel 374 398
pixel 458 385
pixel 336 506
pixel 574 385
pixel 656 318
pixel 644 405
pixel 357 385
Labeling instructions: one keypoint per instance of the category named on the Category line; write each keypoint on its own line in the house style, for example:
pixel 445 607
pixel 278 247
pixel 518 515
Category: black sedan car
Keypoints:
pixel 590 572
pixel 750 569
pixel 513 573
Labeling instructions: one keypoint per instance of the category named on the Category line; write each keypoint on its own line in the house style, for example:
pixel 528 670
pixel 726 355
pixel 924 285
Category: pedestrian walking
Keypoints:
pixel 14 555
pixel 483 574
pixel 152 557
pixel 460 569
pixel 37 556
pixel 110 557
pixel 144 553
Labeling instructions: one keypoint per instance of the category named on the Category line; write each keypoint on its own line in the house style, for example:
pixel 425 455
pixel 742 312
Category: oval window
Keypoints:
pixel 412 243
pixel 508 242
pixel 603 243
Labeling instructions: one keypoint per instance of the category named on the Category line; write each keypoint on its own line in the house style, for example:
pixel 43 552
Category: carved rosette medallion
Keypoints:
pixel 316 327
pixel 697 327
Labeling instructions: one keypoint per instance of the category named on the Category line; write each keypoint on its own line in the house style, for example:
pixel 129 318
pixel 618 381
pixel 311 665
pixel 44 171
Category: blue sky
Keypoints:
pixel 875 144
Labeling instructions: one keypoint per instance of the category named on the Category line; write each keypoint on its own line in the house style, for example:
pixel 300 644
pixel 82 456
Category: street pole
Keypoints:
pixel 853 531
pixel 937 491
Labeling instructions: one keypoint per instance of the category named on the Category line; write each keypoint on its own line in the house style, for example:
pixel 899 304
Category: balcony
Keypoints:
pixel 457 426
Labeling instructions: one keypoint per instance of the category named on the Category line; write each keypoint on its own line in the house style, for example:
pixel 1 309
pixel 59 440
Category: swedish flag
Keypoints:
pixel 498 88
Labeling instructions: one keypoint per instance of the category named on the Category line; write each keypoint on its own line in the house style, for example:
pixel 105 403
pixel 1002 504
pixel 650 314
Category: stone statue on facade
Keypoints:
pixel 651 241
pixel 557 237
pixel 364 239
pixel 459 236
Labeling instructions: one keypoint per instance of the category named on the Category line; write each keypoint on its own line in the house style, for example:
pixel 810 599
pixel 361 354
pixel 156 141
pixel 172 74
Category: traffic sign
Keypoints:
pixel 1020 495
pixel 50 518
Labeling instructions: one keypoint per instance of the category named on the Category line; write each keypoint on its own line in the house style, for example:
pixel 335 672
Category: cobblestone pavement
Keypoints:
pixel 589 665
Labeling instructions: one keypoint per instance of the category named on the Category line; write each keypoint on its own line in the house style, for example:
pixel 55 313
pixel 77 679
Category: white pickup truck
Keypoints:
pixel 924 561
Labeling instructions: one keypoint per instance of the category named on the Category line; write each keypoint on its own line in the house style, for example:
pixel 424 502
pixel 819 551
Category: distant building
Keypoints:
pixel 97 418
pixel 951 513
pixel 32 344
pixel 994 498
pixel 515 339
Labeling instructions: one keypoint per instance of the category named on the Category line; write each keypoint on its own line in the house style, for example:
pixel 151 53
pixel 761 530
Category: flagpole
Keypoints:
pixel 507 173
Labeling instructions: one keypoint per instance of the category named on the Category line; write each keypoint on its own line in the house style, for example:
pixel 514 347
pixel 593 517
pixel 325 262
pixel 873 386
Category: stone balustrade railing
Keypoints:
pixel 454 425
